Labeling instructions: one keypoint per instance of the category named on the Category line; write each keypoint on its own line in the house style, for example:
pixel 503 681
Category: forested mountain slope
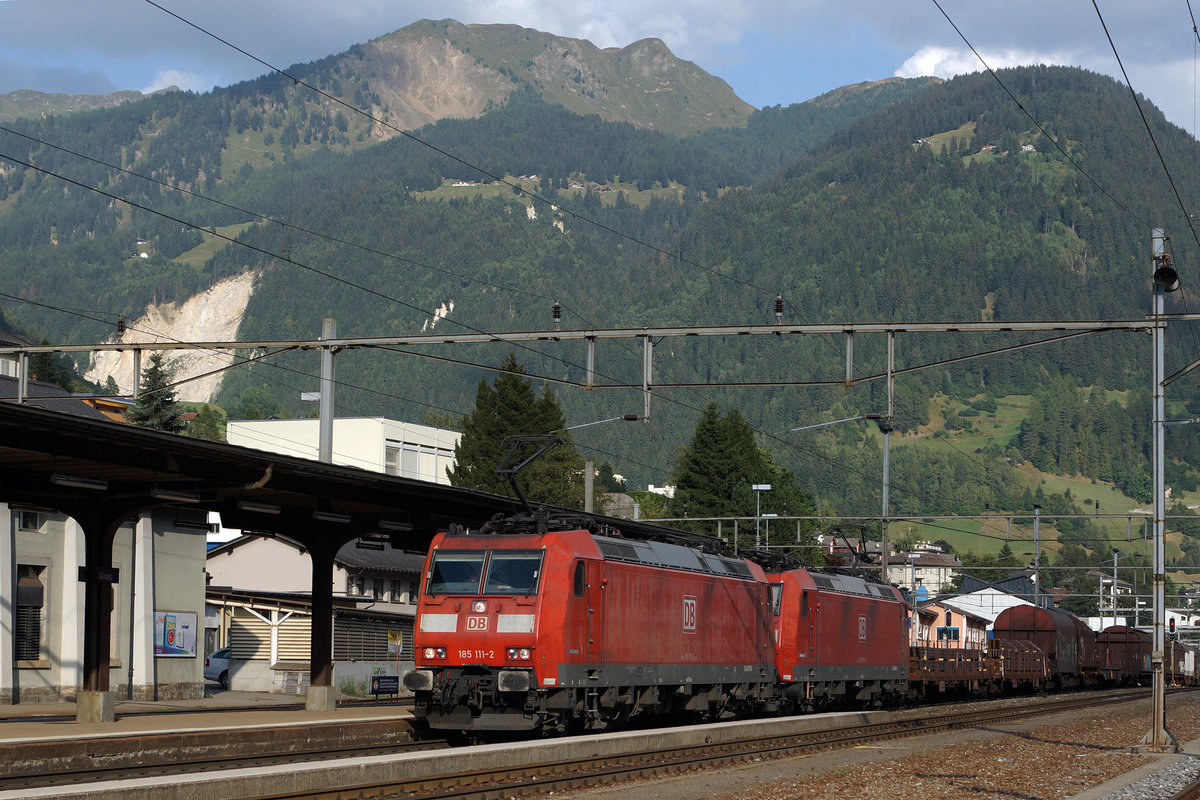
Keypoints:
pixel 927 202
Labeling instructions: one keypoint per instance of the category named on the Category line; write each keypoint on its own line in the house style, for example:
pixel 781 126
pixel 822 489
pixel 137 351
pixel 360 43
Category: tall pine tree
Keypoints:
pixel 715 473
pixel 512 408
pixel 156 406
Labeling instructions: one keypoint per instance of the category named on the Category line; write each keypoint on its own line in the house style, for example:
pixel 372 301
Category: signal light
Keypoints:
pixel 1165 277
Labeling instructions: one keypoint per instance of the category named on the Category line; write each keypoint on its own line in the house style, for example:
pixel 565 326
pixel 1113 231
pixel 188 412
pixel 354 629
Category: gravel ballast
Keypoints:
pixel 1057 757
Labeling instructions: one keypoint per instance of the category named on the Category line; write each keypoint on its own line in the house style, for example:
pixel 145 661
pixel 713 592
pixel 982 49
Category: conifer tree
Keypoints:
pixel 156 406
pixel 715 473
pixel 512 408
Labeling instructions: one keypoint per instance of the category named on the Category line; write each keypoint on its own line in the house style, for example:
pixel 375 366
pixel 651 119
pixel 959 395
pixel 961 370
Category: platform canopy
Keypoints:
pixel 71 463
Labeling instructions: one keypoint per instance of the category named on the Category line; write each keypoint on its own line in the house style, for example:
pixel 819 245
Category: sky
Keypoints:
pixel 770 52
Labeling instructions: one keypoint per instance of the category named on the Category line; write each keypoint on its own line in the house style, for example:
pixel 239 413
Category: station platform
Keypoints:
pixel 44 722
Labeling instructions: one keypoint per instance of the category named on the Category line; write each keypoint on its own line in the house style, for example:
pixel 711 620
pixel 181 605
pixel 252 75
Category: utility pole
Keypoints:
pixel 1037 552
pixel 885 427
pixel 325 449
pixel 1114 586
pixel 1165 279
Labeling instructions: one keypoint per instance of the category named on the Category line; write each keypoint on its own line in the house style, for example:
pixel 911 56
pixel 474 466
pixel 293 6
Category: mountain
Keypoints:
pixel 28 103
pixel 897 201
pixel 431 70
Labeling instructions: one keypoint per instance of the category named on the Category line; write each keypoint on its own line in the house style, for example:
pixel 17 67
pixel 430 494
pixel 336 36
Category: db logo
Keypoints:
pixel 689 614
pixel 477 623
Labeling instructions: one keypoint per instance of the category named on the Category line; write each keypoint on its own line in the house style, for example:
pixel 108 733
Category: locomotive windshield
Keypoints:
pixel 507 571
pixel 513 573
pixel 456 572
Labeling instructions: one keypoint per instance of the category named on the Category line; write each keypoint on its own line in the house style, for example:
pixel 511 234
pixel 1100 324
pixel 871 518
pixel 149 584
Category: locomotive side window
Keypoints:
pixel 513 572
pixel 455 572
pixel 580 579
pixel 804 605
pixel 776 597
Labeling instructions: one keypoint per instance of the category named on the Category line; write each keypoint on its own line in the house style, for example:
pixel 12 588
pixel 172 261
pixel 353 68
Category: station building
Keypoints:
pixel 158 580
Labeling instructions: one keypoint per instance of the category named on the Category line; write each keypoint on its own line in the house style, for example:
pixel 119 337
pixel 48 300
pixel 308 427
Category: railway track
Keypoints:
pixel 32 765
pixel 531 772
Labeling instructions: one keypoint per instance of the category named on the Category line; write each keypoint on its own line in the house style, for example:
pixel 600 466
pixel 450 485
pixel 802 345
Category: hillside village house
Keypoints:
pixel 953 627
pixel 935 572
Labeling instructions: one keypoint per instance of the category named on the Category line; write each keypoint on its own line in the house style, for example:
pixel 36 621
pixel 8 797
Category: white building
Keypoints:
pixel 259 605
pixel 987 602
pixel 372 443
pixel 934 572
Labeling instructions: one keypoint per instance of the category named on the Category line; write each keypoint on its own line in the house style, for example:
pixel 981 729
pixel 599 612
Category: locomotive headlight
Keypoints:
pixel 435 652
pixel 479 606
pixel 518 653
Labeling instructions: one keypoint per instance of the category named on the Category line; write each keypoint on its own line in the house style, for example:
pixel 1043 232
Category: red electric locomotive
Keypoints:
pixel 548 626
pixel 838 638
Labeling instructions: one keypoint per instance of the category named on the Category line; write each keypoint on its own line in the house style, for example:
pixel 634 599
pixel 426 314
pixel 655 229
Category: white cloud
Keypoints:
pixel 188 81
pixel 946 62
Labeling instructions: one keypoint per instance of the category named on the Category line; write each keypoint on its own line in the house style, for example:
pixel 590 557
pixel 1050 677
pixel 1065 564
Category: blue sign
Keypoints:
pixel 385 684
pixel 922 594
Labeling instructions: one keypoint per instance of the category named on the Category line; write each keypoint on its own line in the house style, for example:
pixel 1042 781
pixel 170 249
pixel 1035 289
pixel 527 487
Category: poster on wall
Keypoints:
pixel 175 633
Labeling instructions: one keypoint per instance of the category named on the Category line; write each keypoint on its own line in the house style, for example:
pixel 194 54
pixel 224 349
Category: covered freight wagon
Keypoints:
pixel 1069 644
pixel 1123 654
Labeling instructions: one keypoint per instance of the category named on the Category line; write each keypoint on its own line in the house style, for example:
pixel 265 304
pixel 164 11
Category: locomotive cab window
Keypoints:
pixel 776 598
pixel 455 572
pixel 580 579
pixel 513 572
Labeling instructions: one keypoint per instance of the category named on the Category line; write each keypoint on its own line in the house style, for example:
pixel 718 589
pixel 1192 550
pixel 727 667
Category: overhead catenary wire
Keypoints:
pixel 543 199
pixel 293 261
pixel 518 187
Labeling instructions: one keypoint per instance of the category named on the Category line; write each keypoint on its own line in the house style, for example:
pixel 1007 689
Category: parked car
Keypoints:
pixel 216 667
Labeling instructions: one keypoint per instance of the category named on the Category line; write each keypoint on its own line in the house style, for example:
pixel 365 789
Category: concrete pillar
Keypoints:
pixel 95 707
pixel 8 603
pixel 141 609
pixel 69 633
pixel 95 702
